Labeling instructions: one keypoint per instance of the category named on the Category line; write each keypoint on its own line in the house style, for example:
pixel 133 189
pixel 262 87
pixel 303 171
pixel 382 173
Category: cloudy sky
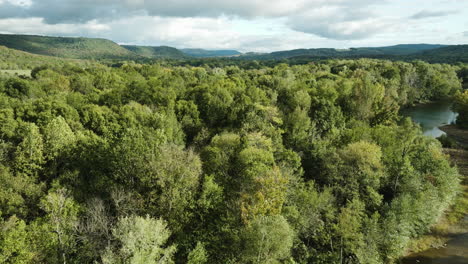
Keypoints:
pixel 246 25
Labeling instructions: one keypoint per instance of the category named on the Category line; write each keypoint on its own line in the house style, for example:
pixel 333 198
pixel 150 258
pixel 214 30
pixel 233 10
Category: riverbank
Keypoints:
pixel 431 116
pixel 458 134
pixel 448 240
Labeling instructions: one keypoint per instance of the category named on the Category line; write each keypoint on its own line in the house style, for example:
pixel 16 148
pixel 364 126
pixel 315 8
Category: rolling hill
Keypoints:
pixel 164 52
pixel 448 54
pixel 405 49
pixel 397 50
pixel 202 53
pixel 11 59
pixel 65 47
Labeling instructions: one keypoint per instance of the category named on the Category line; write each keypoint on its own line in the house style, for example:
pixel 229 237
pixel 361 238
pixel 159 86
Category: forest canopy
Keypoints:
pixel 151 163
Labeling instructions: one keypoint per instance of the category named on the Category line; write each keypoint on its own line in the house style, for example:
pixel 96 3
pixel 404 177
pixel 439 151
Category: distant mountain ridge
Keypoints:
pixel 427 52
pixel 103 49
pixel 203 53
pixel 405 49
pixel 396 50
pixel 155 52
pixel 450 54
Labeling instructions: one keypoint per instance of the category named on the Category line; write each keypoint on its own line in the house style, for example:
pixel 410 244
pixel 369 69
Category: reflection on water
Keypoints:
pixel 431 116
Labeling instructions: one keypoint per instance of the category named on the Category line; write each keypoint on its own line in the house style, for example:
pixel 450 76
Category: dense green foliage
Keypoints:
pixel 461 98
pixel 450 54
pixel 461 107
pixel 167 164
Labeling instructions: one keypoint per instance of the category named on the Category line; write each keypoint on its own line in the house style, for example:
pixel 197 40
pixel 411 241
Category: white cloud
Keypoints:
pixel 145 30
pixel 190 32
pixel 86 10
pixel 248 25
pixel 341 23
pixel 37 26
pixel 21 3
pixel 209 33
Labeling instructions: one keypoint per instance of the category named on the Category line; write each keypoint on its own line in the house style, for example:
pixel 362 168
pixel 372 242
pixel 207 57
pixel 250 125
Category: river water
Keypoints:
pixel 454 252
pixel 431 116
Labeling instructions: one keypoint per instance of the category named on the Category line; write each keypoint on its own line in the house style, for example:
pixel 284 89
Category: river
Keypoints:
pixel 431 116
pixel 454 252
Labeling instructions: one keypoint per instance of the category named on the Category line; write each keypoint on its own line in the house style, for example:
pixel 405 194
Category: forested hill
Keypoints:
pixel 11 59
pixel 76 48
pixel 397 50
pixel 449 54
pixel 202 53
pixel 156 52
pixel 404 49
pixel 90 48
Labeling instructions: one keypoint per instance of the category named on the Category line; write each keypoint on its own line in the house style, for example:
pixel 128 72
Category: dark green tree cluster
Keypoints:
pixel 461 107
pixel 461 98
pixel 165 164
